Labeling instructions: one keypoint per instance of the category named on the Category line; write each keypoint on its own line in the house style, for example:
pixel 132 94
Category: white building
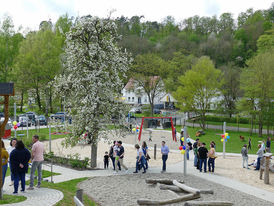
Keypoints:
pixel 136 95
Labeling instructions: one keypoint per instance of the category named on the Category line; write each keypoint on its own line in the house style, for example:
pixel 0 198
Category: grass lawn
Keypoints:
pixel 45 173
pixel 69 189
pixel 233 124
pixel 233 145
pixel 9 199
pixel 43 134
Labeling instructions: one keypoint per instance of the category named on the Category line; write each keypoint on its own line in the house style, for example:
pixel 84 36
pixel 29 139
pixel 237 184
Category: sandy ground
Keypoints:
pixel 230 167
pixel 127 189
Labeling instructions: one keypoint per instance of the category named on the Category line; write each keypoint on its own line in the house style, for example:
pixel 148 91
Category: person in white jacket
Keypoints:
pixel 260 154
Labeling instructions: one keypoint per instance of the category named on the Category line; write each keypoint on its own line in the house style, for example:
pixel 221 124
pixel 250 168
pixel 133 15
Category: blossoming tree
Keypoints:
pixel 92 78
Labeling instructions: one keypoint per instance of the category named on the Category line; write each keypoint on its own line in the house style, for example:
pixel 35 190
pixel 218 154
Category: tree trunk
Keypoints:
pixel 50 100
pixel 22 101
pixel 152 109
pixel 93 158
pixel 260 129
pixel 38 97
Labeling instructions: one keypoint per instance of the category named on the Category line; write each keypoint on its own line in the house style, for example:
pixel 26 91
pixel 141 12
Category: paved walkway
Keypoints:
pixel 36 197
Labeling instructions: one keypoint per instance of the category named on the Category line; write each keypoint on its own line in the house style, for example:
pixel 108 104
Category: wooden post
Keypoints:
pixel 155 150
pixel 2 133
pixel 79 194
pixel 267 157
pixel 6 90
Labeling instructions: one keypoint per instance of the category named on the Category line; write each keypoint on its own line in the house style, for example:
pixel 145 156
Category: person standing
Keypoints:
pixel 106 160
pixel 182 135
pixel 37 156
pixel 245 156
pixel 164 151
pixel 268 145
pixel 13 142
pixel 260 154
pixel 112 154
pixel 140 159
pixel 202 156
pixel 19 159
pixel 145 151
pixel 211 158
pixel 120 152
pixel 249 143
pixel 5 158
pixel 195 151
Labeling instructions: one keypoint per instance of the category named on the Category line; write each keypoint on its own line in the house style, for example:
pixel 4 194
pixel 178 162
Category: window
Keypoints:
pixel 128 99
pixel 132 99
pixel 145 99
pixel 139 100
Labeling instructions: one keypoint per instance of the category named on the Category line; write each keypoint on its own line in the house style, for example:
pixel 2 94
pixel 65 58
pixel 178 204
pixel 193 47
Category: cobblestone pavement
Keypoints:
pixel 36 197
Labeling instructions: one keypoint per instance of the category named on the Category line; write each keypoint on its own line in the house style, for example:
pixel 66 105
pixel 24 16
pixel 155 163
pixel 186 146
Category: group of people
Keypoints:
pixel 117 153
pixel 19 158
pixel 262 148
pixel 203 157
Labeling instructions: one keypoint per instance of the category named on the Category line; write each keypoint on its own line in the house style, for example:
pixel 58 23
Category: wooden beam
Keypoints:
pixel 177 189
pixel 161 181
pixel 171 201
pixel 208 203
pixel 186 188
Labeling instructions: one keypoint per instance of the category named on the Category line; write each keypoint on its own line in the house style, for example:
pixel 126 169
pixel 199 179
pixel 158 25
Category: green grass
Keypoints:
pixel 147 115
pixel 69 189
pixel 233 145
pixel 45 173
pixel 232 124
pixel 9 199
pixel 43 134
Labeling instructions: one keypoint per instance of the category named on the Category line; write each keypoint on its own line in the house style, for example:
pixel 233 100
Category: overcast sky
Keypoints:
pixel 29 13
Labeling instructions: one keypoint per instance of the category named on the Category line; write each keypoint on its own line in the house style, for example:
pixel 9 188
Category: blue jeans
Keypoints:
pixel 195 160
pixel 4 170
pixel 11 174
pixel 164 158
pixel 211 163
pixel 21 177
pixel 258 163
pixel 113 163
pixel 142 162
pixel 202 161
pixel 187 154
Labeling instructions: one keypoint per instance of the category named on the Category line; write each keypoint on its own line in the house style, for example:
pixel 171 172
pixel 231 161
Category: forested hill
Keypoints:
pixel 224 39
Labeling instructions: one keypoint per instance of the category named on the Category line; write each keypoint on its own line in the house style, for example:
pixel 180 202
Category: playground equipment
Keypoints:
pixel 172 126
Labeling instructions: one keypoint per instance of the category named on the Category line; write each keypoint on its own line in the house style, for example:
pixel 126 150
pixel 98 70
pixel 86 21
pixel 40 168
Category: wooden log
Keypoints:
pixel 186 188
pixel 161 181
pixel 208 203
pixel 177 189
pixel 171 201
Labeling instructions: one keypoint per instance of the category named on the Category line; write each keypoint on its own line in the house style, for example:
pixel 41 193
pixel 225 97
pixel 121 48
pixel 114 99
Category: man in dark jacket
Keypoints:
pixel 19 159
pixel 202 156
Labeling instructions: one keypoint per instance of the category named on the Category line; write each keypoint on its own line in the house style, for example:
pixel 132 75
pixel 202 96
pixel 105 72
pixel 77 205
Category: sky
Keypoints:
pixel 29 13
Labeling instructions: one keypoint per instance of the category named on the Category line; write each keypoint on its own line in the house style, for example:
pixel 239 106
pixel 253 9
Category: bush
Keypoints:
pixel 73 161
pixel 242 120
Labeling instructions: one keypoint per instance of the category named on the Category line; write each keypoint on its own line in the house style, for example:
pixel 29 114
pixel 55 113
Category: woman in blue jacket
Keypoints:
pixel 19 159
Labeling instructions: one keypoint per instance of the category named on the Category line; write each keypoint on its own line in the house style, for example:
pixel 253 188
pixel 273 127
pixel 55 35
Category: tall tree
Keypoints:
pixel 39 59
pixel 230 89
pixel 9 47
pixel 257 83
pixel 92 79
pixel 147 71
pixel 198 87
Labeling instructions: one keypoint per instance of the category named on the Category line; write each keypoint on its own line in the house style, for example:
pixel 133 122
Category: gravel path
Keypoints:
pixel 125 190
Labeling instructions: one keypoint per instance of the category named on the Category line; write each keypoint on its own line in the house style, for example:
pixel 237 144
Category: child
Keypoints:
pixel 106 160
